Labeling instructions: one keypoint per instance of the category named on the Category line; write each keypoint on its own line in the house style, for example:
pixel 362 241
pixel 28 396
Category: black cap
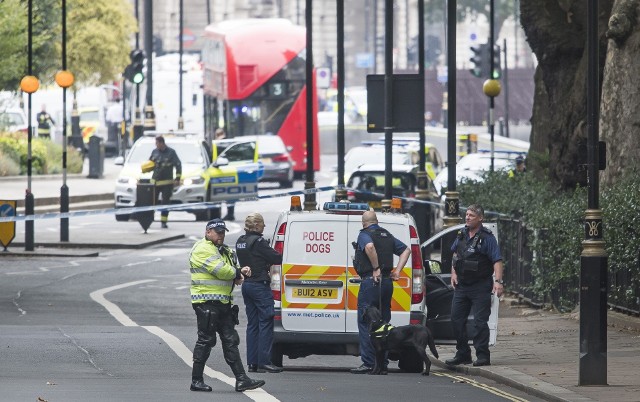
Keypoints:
pixel 519 160
pixel 217 224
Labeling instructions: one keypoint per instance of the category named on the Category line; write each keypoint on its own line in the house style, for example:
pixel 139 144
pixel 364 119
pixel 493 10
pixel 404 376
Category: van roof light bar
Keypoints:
pixel 345 206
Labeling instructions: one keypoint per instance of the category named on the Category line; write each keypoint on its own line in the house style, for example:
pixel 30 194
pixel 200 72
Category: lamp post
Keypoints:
pixel 180 51
pixel 29 84
pixel 593 260
pixel 64 79
pixel 341 194
pixel 149 115
pixel 309 199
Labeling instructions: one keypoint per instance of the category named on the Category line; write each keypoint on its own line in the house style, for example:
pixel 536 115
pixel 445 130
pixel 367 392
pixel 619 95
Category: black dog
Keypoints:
pixel 385 337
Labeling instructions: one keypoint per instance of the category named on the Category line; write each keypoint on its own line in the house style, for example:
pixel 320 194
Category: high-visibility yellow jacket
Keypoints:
pixel 212 272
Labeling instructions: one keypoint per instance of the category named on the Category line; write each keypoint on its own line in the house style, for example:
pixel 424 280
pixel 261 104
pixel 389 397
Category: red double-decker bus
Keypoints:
pixel 255 83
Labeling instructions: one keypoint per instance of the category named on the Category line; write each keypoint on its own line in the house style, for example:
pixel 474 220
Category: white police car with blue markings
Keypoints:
pixel 233 175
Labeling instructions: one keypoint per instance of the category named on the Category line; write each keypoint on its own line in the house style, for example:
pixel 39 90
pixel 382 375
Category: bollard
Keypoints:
pixel 96 157
pixel 145 196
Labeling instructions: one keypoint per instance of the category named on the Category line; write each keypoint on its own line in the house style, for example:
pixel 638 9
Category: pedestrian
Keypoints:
pixel 253 250
pixel 165 160
pixel 44 123
pixel 374 264
pixel 231 206
pixel 214 273
pixel 520 167
pixel 114 120
pixel 475 274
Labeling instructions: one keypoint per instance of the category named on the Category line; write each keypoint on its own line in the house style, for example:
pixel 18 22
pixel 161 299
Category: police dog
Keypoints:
pixel 407 339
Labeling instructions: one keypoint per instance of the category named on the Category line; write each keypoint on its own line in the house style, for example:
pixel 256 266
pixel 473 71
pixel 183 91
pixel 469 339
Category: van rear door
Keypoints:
pixel 314 273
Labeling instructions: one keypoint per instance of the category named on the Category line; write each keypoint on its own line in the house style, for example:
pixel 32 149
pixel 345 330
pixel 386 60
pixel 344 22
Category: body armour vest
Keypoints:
pixel 244 246
pixel 383 242
pixel 472 266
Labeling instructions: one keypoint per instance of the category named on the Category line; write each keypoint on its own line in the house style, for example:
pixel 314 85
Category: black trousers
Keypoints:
pixel 215 317
pixel 166 191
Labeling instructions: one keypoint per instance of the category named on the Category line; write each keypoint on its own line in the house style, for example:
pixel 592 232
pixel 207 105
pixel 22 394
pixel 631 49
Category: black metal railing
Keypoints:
pixel 525 273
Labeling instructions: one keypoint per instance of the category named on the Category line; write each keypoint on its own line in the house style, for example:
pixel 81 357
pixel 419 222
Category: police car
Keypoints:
pixel 233 174
pixel 316 287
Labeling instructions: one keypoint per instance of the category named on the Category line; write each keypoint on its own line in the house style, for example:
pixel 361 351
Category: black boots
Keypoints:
pixel 267 368
pixel 244 383
pixel 197 382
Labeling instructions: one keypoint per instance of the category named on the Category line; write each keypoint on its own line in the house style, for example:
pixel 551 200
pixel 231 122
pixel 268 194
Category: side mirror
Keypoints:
pixel 221 161
pixel 119 161
pixel 432 267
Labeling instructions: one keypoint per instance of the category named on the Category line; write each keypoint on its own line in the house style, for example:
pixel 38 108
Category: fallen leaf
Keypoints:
pixel 41 399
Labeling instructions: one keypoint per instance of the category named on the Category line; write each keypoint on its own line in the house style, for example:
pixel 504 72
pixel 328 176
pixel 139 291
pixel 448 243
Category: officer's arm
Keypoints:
pixel 269 254
pixel 178 165
pixel 402 261
pixel 216 265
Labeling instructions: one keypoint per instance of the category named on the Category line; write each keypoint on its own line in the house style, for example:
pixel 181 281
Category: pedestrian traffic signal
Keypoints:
pixel 480 60
pixel 134 71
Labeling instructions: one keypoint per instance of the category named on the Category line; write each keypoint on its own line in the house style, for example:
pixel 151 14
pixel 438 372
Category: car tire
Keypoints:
pixel 123 217
pixel 286 184
pixel 410 362
pixel 276 355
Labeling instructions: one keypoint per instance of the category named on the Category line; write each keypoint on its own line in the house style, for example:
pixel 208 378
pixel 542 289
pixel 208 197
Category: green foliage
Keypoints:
pixel 8 165
pixel 98 36
pixel 555 220
pixel 46 156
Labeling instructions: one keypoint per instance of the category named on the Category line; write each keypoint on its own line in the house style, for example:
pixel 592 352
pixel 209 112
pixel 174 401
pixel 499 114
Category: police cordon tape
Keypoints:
pixel 201 205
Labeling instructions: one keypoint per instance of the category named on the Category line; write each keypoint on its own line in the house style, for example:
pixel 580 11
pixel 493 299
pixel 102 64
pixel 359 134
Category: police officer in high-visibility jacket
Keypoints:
pixel 214 273
pixel 165 160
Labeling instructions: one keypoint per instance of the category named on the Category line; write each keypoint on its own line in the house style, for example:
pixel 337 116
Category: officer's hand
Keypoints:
pixel 246 271
pixel 454 278
pixel 239 281
pixel 395 275
pixel 498 289
pixel 176 181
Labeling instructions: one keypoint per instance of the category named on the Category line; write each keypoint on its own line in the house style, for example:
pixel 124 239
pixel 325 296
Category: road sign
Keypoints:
pixel 188 38
pixel 7 229
pixel 323 77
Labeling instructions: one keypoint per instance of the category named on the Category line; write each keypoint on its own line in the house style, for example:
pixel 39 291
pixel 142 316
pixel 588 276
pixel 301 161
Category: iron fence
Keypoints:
pixel 521 275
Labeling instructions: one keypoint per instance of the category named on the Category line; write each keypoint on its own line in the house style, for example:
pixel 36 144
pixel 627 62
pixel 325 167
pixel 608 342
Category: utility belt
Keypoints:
pixel 217 307
pixel 385 275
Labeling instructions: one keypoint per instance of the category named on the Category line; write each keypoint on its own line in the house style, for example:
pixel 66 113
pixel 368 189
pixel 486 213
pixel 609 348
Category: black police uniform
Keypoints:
pixel 474 267
pixel 165 161
pixel 254 251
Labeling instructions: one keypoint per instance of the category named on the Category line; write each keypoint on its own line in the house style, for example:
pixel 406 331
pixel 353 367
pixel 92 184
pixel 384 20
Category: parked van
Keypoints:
pixel 316 287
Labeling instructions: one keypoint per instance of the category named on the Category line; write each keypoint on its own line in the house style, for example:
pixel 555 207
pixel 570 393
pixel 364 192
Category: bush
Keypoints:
pixel 8 165
pixel 557 219
pixel 46 156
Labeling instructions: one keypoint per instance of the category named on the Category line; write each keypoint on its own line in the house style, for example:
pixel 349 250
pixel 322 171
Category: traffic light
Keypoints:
pixel 480 60
pixel 497 69
pixel 133 72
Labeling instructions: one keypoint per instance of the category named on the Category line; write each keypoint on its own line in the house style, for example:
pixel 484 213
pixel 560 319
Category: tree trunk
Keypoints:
pixel 557 33
pixel 620 120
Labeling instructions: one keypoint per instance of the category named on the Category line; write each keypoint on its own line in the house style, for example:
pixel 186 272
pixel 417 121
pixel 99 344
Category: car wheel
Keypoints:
pixel 276 355
pixel 286 184
pixel 123 217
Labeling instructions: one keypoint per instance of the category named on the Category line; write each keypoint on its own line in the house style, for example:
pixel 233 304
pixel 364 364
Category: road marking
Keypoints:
pixel 179 348
pixel 141 262
pixel 482 386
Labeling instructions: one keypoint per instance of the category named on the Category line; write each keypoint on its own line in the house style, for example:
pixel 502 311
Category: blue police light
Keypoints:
pixel 345 206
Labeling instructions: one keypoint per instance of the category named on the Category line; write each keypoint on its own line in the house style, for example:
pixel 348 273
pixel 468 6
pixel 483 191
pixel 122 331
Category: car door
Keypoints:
pixel 439 292
pixel 235 172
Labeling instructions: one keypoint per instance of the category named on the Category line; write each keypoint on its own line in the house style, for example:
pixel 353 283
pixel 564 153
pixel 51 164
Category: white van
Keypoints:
pixel 316 287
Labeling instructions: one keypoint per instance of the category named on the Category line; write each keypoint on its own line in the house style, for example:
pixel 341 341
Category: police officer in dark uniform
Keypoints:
pixel 476 260
pixel 44 123
pixel 254 251
pixel 165 159
pixel 374 264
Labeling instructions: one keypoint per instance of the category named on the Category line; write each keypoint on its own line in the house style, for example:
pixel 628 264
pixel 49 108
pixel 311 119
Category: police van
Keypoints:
pixel 316 287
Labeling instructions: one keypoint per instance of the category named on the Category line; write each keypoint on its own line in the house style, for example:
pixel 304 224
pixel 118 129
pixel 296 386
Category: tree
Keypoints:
pixel 557 33
pixel 98 36
pixel 98 39
pixel 14 41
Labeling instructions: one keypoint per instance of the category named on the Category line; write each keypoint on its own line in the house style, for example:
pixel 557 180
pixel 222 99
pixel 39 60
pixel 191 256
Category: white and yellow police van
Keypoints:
pixel 316 287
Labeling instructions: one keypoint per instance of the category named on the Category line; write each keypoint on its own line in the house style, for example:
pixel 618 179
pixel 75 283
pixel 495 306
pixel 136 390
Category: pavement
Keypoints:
pixel 537 350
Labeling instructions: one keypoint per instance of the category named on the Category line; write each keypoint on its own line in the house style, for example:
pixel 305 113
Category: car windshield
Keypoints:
pixel 402 183
pixel 89 116
pixel 187 152
pixel 11 119
pixel 482 162
pixel 364 155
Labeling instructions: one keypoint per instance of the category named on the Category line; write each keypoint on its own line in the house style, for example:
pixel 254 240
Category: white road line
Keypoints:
pixel 132 264
pixel 179 348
